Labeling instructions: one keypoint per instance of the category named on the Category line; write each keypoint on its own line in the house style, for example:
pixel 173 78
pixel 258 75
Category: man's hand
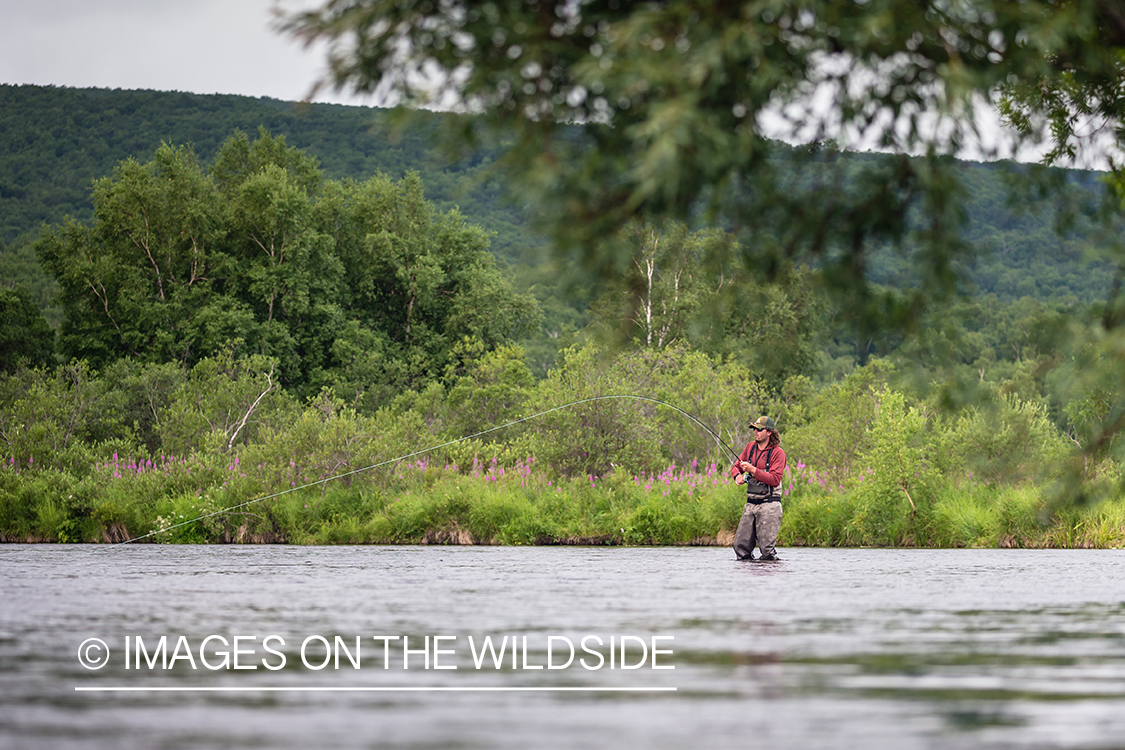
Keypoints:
pixel 738 479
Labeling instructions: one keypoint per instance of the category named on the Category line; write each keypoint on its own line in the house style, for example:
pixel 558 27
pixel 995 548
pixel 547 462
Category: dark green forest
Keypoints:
pixel 57 141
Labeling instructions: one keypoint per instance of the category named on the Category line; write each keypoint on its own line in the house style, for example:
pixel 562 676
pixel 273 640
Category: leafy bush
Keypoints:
pixel 232 398
pixel 840 424
pixel 896 484
pixel 593 437
pixel 51 418
pixel 1004 441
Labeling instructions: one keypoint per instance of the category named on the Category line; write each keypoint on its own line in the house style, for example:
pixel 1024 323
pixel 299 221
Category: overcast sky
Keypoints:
pixel 201 46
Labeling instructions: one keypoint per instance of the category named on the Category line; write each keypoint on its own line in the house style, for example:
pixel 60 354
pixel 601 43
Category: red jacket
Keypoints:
pixel 758 458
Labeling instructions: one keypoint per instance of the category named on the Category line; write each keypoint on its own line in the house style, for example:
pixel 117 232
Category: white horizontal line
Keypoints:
pixel 276 689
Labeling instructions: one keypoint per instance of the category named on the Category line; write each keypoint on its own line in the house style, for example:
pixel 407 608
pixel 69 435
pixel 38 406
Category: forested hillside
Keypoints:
pixel 54 142
pixel 212 301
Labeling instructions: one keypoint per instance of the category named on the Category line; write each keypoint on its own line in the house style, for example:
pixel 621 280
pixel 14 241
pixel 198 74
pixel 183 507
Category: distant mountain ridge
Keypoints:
pixel 54 142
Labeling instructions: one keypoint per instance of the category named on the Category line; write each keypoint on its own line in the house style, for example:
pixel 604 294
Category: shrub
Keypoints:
pixel 897 483
pixel 841 421
pixel 1003 441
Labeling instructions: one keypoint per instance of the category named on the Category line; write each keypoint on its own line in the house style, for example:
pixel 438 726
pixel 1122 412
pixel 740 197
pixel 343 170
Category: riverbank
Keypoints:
pixel 504 459
pixel 190 501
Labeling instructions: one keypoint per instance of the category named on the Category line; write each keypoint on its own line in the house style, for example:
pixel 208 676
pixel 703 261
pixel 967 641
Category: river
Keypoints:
pixel 365 647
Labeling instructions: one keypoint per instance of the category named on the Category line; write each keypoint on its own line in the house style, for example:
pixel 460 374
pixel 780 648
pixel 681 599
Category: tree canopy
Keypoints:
pixel 679 104
pixel 682 101
pixel 260 255
pixel 62 140
pixel 25 337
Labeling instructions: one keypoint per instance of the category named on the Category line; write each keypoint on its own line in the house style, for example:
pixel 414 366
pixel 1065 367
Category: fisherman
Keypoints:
pixel 760 467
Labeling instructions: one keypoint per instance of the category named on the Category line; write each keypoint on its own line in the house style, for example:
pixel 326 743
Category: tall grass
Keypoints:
pixel 174 500
pixel 489 502
pixel 884 469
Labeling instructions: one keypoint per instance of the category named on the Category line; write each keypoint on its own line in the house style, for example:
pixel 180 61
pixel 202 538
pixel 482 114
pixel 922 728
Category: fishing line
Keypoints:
pixel 718 440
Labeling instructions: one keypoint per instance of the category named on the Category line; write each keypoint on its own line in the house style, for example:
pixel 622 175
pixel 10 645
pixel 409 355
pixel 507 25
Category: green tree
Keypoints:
pixel 284 270
pixel 224 401
pixel 491 393
pixel 896 478
pixel 679 102
pixel 139 395
pixel 1005 441
pixel 665 284
pixel 26 339
pixel 843 415
pixel 49 417
pixel 366 286
pixel 775 327
pixel 418 279
pixel 678 289
pixel 1077 80
pixel 134 282
pixel 239 159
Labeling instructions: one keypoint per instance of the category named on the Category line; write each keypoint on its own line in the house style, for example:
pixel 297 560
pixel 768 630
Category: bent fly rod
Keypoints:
pixel 718 441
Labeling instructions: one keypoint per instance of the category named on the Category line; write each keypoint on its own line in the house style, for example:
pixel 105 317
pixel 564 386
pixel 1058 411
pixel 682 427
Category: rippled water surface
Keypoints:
pixel 828 648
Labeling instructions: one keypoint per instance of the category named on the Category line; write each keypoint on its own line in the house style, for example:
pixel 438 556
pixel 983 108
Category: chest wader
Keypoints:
pixel 761 518
pixel 760 492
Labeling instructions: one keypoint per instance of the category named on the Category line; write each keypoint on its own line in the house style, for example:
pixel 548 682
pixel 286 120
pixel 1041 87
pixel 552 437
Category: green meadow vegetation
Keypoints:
pixel 236 461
